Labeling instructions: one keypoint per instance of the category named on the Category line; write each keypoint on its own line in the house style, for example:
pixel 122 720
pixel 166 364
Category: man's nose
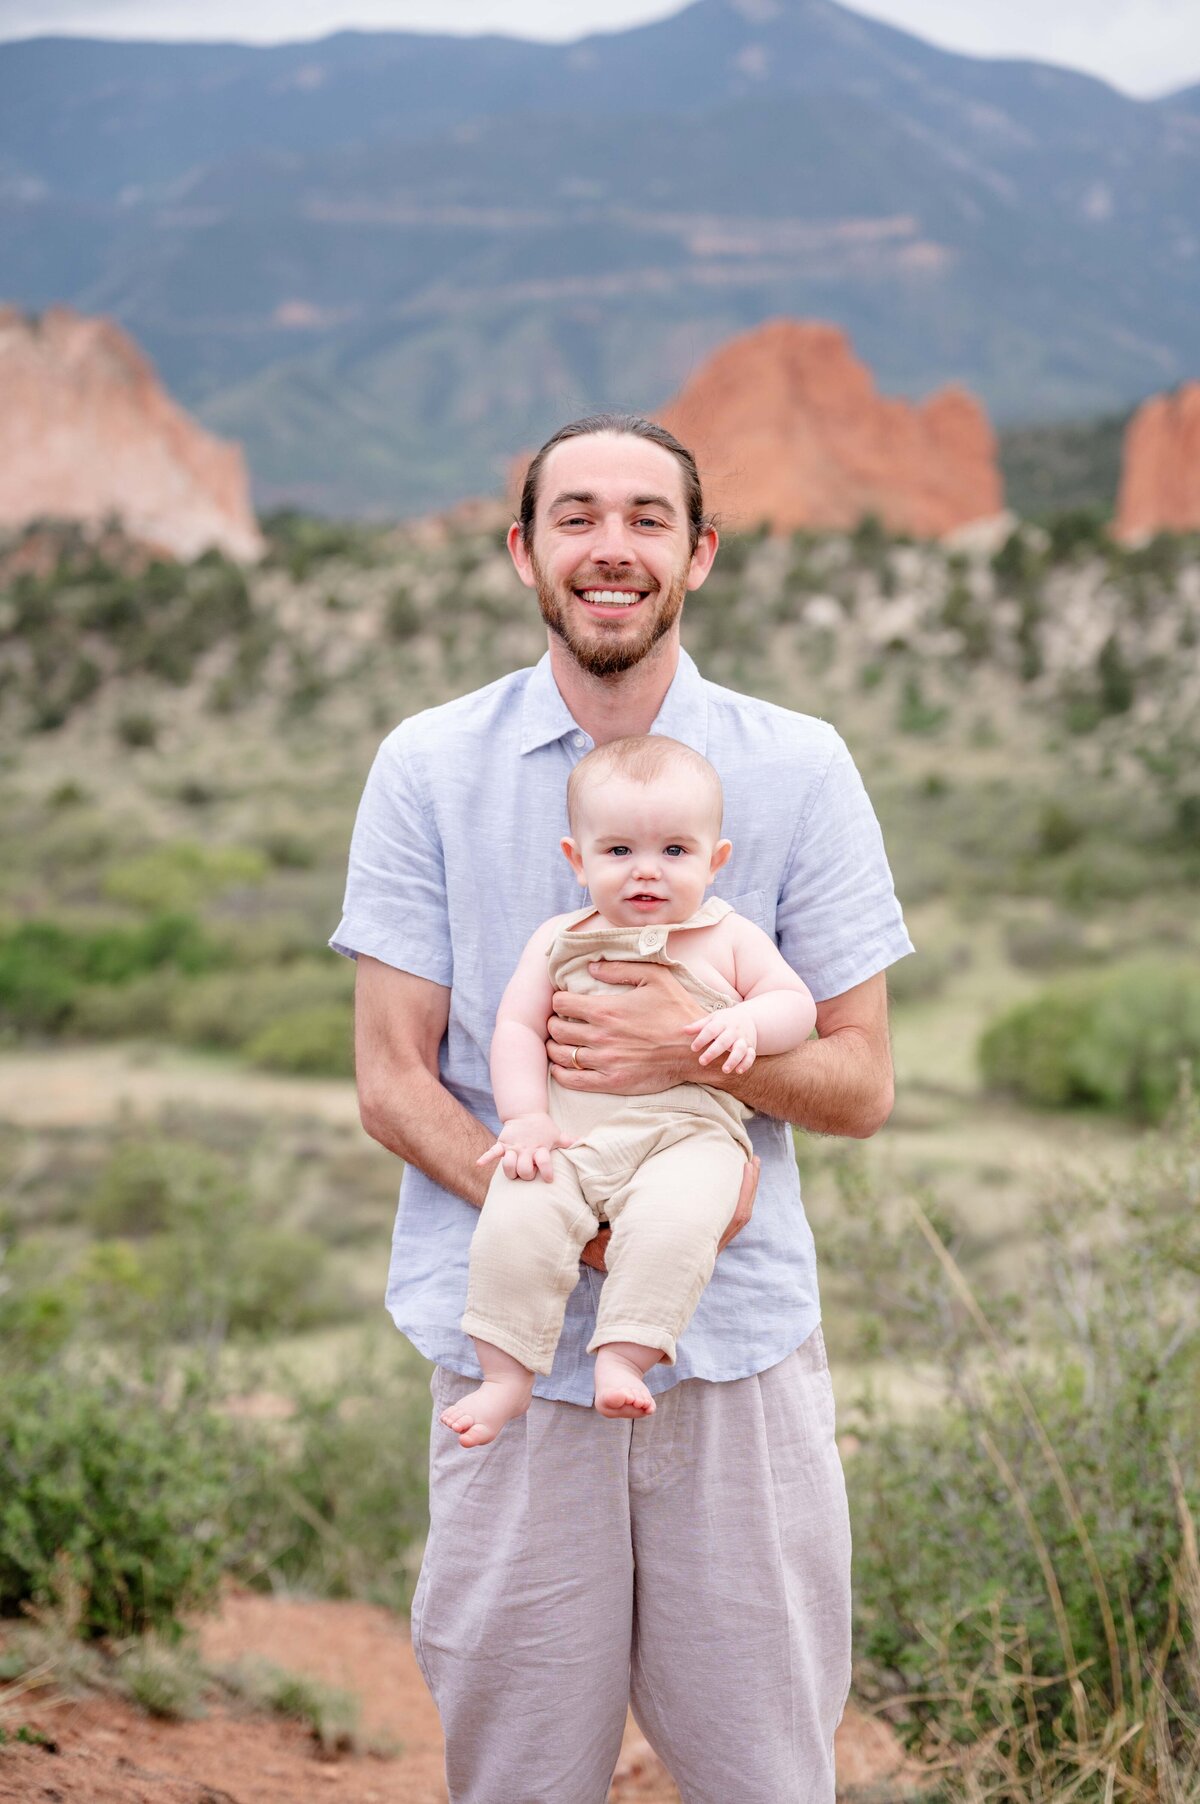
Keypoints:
pixel 610 541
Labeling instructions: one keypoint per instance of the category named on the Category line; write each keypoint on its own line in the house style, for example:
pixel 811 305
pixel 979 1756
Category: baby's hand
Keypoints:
pixel 526 1144
pixel 732 1031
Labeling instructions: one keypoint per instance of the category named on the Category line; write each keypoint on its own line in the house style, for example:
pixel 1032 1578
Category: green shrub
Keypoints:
pixel 1048 943
pixel 341 1507
pixel 173 878
pixel 231 1009
pixel 128 1488
pixel 308 1042
pixel 917 715
pixel 402 616
pixel 143 1007
pixel 164 1680
pixel 925 974
pixel 147 1181
pixel 1110 1040
pixel 244 1279
pixel 1057 830
pixel 327 1712
pixel 137 729
pixel 44 965
pixel 184 1256
pixel 1037 1525
pixel 36 1310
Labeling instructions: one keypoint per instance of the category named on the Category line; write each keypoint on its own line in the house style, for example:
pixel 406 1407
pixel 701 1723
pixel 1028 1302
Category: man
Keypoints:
pixel 695 1562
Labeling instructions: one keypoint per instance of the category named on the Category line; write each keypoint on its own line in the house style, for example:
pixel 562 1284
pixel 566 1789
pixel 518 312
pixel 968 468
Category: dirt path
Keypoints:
pixel 109 1753
pixel 85 1086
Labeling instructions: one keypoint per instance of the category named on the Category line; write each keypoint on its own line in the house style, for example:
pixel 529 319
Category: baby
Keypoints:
pixel 662 1169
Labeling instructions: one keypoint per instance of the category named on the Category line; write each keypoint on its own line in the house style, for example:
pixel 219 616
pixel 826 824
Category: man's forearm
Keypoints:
pixel 416 1118
pixel 837 1085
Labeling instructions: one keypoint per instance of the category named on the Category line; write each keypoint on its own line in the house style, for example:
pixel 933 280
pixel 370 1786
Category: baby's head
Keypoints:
pixel 645 838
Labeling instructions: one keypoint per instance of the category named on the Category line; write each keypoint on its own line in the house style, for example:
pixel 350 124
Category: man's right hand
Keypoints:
pixel 745 1203
pixel 526 1145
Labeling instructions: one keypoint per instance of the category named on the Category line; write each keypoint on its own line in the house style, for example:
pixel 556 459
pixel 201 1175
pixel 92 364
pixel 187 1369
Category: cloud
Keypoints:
pixel 274 21
pixel 1143 46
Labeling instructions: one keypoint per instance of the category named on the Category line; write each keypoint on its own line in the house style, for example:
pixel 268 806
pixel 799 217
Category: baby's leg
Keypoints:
pixel 667 1219
pixel 504 1394
pixel 524 1265
pixel 621 1367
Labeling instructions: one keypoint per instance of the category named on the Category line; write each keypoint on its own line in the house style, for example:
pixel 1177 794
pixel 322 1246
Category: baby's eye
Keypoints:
pixel 675 851
pixel 618 851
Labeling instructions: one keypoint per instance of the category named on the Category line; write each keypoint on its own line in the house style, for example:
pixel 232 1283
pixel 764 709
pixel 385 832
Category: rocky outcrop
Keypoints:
pixel 1160 468
pixel 788 427
pixel 88 433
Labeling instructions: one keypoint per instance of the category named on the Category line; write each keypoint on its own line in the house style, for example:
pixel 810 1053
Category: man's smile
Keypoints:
pixel 609 601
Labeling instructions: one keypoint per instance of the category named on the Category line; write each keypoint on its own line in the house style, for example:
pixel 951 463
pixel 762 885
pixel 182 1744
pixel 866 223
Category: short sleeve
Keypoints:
pixel 395 907
pixel 838 920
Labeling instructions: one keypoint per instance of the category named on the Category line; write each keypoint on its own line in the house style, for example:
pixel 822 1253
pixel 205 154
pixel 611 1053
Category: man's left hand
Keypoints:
pixel 630 1042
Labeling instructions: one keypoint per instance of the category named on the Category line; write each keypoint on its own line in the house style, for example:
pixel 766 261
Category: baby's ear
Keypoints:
pixel 574 858
pixel 722 852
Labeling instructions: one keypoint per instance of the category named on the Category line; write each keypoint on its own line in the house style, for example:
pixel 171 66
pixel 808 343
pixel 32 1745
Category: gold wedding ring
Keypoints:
pixel 575 1057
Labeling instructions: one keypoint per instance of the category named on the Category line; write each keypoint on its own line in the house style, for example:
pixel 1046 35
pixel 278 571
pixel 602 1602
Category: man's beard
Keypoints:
pixel 608 653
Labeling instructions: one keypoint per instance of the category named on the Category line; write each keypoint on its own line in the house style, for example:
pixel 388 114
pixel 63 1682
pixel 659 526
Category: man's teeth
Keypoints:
pixel 610 598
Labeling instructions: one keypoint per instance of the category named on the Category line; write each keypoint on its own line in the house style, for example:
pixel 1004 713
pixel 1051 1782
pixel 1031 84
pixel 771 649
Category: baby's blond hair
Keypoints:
pixel 644 758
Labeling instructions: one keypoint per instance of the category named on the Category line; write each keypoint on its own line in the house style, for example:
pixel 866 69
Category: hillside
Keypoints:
pixel 386 261
pixel 194 1227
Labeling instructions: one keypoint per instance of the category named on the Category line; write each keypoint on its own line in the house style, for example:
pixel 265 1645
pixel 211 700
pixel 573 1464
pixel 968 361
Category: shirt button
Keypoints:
pixel 653 940
pixel 579 742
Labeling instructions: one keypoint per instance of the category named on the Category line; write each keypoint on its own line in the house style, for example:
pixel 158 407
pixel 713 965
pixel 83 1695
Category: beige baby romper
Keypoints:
pixel 663 1170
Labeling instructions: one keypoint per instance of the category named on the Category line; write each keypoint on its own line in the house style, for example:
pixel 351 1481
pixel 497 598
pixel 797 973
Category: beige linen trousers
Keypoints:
pixel 695 1563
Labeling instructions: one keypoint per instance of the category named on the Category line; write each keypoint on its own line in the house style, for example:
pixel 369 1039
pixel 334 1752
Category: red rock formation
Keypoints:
pixel 87 432
pixel 788 427
pixel 1160 468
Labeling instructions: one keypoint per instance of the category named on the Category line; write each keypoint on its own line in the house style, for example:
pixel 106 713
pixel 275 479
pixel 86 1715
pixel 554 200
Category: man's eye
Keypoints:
pixel 648 520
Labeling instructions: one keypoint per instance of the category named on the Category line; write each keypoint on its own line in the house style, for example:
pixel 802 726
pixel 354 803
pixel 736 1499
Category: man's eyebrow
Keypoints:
pixel 586 498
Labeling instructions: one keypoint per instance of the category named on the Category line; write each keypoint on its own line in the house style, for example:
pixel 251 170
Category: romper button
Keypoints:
pixel 652 940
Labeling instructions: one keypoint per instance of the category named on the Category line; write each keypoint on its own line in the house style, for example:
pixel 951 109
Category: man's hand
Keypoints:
pixel 526 1145
pixel 593 1253
pixel 631 1042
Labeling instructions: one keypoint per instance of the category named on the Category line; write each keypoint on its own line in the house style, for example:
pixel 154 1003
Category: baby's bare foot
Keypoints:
pixel 620 1388
pixel 478 1417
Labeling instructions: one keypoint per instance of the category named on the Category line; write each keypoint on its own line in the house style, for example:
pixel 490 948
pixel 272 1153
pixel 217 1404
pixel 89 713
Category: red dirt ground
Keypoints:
pixel 110 1753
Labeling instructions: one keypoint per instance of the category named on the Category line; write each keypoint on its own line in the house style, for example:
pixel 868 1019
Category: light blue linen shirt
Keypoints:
pixel 455 861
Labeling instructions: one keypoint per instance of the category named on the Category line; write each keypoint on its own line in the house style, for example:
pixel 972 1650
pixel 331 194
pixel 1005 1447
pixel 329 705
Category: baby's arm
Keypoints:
pixel 776 1014
pixel 520 1068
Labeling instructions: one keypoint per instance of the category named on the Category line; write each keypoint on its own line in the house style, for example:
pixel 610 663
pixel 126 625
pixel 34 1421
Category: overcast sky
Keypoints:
pixel 1143 46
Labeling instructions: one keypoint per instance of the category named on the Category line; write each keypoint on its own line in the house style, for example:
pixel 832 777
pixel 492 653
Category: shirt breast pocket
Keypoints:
pixel 753 904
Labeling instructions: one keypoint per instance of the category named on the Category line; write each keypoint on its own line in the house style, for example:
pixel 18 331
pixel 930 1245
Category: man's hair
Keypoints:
pixel 644 758
pixel 633 426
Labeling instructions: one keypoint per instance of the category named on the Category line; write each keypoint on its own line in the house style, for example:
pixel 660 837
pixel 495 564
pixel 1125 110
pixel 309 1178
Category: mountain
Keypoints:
pixel 1160 470
pixel 787 429
pixel 87 433
pixel 384 261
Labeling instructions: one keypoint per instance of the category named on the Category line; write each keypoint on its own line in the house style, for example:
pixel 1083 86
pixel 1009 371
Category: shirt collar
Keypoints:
pixel 546 718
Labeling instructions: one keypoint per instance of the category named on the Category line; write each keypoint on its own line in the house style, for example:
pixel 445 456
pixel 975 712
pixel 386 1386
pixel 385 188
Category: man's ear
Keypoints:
pixel 518 551
pixel 702 557
pixel 574 858
pixel 722 852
